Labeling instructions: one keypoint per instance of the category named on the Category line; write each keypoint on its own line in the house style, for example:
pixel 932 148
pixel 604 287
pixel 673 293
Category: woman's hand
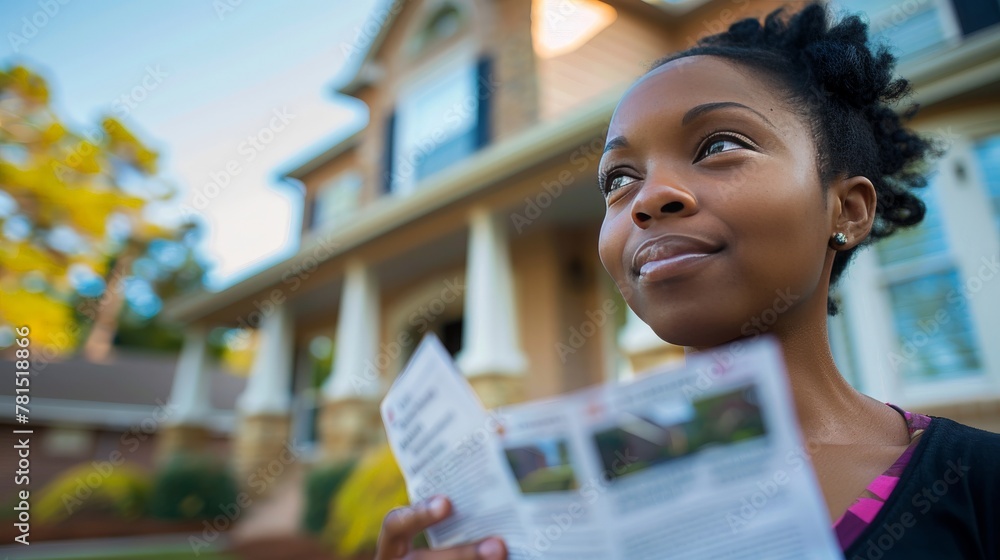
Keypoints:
pixel 402 524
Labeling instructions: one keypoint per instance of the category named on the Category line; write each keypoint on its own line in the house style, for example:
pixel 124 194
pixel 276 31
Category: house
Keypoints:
pixel 468 207
pixel 108 414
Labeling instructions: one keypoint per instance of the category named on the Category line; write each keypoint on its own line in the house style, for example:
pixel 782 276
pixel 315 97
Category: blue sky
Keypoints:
pixel 199 79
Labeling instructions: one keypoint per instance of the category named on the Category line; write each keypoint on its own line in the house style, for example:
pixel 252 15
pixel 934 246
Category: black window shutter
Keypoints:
pixel 484 92
pixel 974 15
pixel 388 152
pixel 312 212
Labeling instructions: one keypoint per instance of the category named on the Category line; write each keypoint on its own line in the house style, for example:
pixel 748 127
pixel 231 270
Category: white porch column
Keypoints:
pixel 189 396
pixel 268 389
pixel 265 405
pixel 184 431
pixel 642 348
pixel 490 339
pixel 354 373
pixel 349 420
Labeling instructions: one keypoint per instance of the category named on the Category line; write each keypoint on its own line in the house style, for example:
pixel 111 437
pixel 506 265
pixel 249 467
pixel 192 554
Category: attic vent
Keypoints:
pixel 442 24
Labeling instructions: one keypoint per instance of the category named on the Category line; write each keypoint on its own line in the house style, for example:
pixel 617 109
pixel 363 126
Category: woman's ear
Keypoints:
pixel 853 210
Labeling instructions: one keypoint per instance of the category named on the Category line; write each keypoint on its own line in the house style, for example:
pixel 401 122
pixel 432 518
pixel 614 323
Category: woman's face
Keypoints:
pixel 717 226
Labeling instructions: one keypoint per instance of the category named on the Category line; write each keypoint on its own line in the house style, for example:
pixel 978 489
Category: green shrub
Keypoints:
pixel 321 485
pixel 192 487
pixel 120 491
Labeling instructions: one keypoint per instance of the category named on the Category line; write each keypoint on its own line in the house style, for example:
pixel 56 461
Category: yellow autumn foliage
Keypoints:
pixel 25 257
pixel 237 357
pixel 121 140
pixel 122 490
pixel 53 133
pixel 31 86
pixel 374 488
pixel 63 179
pixel 50 319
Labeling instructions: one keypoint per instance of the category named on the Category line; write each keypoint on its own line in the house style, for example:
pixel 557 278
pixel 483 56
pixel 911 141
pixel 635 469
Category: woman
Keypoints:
pixel 756 164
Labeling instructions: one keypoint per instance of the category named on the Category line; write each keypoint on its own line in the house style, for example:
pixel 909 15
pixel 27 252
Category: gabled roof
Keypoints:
pixel 492 165
pixel 368 72
pixel 327 155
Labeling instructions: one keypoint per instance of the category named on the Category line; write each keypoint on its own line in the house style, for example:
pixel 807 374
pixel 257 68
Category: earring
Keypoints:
pixel 840 238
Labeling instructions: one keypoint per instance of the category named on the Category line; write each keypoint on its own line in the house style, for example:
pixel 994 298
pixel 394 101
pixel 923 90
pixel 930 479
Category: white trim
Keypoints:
pixel 429 70
pixel 949 21
pixel 870 326
pixel 841 346
pixel 948 392
pixel 119 416
pixel 968 213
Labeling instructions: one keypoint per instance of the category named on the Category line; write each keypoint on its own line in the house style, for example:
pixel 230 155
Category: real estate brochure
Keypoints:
pixel 700 460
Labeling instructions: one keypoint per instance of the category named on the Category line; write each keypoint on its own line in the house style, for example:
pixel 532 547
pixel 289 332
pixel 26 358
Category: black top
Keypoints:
pixel 946 504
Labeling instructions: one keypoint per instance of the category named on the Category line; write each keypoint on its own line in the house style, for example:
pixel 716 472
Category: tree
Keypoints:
pixel 77 252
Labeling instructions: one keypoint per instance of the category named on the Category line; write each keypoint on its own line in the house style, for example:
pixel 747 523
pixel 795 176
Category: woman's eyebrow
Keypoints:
pixel 696 112
pixel 615 143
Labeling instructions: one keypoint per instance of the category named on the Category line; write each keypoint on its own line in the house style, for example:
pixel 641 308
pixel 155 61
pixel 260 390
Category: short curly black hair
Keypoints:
pixel 843 85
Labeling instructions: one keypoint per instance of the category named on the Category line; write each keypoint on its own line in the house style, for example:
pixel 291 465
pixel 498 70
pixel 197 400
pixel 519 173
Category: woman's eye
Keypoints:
pixel 721 143
pixel 616 182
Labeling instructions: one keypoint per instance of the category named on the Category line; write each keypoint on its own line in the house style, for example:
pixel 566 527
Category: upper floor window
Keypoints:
pixel 335 200
pixel 440 118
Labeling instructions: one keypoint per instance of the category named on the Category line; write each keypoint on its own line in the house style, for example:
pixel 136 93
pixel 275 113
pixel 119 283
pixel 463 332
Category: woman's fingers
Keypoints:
pixel 489 549
pixel 402 524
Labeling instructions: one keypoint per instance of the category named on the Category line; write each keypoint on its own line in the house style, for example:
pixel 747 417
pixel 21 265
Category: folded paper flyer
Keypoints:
pixel 700 460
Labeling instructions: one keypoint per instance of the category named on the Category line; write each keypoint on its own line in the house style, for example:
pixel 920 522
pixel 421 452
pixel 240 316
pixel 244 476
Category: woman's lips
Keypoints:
pixel 668 256
pixel 655 271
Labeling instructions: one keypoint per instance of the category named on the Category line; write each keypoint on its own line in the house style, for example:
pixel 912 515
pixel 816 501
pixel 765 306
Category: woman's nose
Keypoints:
pixel 659 199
